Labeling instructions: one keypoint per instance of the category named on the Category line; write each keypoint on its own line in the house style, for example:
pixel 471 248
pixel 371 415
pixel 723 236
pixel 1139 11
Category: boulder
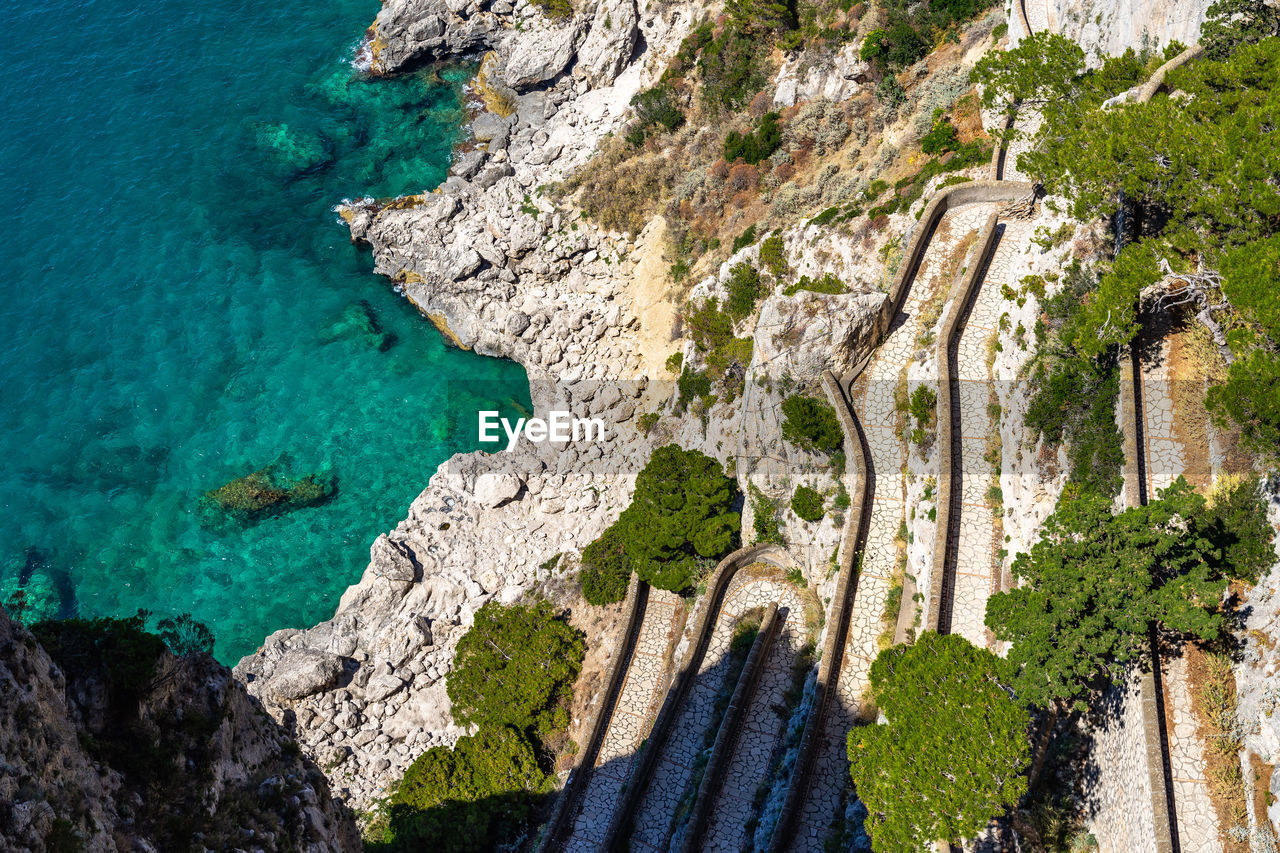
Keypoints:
pixel 494 488
pixel 537 60
pixel 303 672
pixel 609 43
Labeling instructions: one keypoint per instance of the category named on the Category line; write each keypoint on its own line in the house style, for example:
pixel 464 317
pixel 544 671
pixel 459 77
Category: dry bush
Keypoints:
pixel 743 176
pixel 619 191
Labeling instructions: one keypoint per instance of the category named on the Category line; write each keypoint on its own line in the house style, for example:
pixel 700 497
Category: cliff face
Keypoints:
pixel 1112 26
pixel 170 754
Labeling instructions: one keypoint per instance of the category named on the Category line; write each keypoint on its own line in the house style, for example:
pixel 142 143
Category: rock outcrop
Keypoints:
pixel 197 763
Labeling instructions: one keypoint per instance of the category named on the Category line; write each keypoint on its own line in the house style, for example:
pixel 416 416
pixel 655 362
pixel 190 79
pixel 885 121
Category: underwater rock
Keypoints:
pixel 360 320
pixel 264 493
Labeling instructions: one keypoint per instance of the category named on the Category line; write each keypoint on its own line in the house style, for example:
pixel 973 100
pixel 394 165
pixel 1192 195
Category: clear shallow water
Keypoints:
pixel 178 306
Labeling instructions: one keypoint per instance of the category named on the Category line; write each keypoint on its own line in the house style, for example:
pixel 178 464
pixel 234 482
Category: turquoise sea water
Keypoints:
pixel 179 306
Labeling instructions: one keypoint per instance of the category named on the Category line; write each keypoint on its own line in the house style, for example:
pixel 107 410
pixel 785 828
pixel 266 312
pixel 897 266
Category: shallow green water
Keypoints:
pixel 181 307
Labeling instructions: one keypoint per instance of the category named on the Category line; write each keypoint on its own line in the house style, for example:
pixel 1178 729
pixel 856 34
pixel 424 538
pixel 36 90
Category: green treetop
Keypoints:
pixel 954 753
pixel 1096 580
pixel 681 516
pixel 516 667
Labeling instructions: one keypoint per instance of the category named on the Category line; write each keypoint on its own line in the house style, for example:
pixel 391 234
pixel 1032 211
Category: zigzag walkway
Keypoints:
pixel 633 713
pixel 669 791
pixel 1195 820
pixel 873 401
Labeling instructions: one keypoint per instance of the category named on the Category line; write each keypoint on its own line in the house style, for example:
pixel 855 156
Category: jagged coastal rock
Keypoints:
pixel 70 769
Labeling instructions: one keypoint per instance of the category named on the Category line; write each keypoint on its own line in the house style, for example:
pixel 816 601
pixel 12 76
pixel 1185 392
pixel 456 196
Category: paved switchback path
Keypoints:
pixel 763 727
pixel 1195 818
pixel 641 693
pixel 873 398
pixel 673 779
pixel 977 569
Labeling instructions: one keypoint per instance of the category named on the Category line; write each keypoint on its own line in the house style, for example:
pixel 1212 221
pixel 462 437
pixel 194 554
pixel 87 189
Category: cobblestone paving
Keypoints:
pixel 1161 451
pixel 977 571
pixel 674 772
pixel 876 411
pixel 632 716
pixel 1197 821
pixel 762 731
pixel 1119 800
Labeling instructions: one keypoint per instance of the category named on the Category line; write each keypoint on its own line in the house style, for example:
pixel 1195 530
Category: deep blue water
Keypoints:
pixel 179 306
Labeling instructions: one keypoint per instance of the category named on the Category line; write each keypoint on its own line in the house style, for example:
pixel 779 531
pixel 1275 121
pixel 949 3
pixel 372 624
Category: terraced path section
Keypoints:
pixel 1194 815
pixel 761 736
pixel 669 791
pixel 873 398
pixel 638 701
pixel 977 571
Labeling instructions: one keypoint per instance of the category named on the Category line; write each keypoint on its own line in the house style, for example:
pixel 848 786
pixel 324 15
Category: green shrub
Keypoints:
pixel 692 385
pixel 467 799
pixel 811 424
pixel 746 238
pixel 680 517
pixel 757 145
pixel 942 137
pixel 555 9
pixel 1237 521
pixel 745 289
pixel 826 283
pixel 732 68
pixel 772 256
pixel 764 512
pixel 674 362
pixel 808 504
pixel 516 667
pixel 656 107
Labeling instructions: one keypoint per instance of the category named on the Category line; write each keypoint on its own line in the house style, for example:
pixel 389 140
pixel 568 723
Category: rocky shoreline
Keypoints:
pixel 508 275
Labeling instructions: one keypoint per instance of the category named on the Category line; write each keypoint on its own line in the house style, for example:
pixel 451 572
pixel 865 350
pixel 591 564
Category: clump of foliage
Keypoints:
pixel 772 256
pixel 557 10
pixel 185 636
pixel 827 283
pixel 1075 394
pixel 923 409
pixel 681 516
pixel 1238 526
pixel 120 653
pixel 516 667
pixel 955 751
pixel 655 109
pixel 267 492
pixel 1229 24
pixel 764 518
pixel 745 289
pixel 620 189
pixel 1094 582
pixel 908 34
pixel 746 238
pixel 812 424
pixel 469 798
pixel 942 137
pixel 711 328
pixel 757 145
pixel 807 503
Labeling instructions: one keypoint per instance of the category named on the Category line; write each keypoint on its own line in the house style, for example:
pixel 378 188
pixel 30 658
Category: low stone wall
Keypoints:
pixel 688 673
pixel 562 815
pixel 851 545
pixel 941 581
pixel 713 774
pixel 958 195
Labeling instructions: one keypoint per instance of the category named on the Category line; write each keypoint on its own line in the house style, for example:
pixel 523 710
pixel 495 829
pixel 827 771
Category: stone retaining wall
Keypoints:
pixel 842 601
pixel 561 817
